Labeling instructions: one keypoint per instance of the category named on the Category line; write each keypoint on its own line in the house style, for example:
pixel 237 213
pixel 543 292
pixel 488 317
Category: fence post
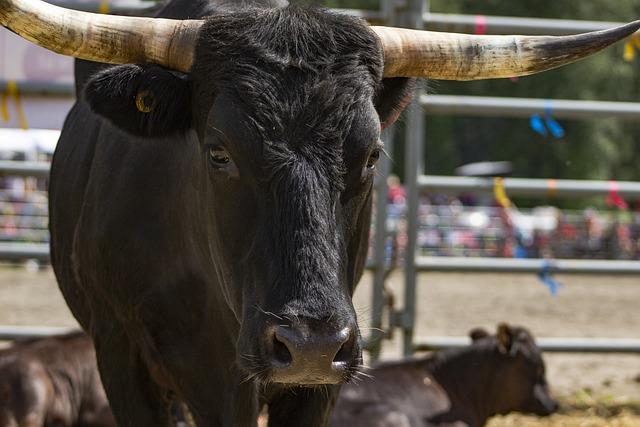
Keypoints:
pixel 380 243
pixel 414 164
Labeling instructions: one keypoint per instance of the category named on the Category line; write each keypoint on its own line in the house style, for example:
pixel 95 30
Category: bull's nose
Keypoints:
pixel 301 355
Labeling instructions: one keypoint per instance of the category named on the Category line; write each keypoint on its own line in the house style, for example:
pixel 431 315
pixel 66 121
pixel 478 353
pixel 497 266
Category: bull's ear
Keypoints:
pixel 393 96
pixel 505 338
pixel 478 333
pixel 144 100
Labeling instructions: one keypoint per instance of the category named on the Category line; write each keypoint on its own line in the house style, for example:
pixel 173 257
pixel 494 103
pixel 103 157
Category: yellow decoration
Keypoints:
pixel 629 51
pixel 4 107
pixel 500 194
pixel 12 91
pixel 630 47
pixel 103 7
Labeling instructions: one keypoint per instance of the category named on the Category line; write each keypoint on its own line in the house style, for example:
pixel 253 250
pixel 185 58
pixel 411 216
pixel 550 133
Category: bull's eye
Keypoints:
pixel 219 156
pixel 373 159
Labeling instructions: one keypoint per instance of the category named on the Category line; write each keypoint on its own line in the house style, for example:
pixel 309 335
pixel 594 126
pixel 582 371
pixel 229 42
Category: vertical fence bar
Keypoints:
pixel 413 154
pixel 377 299
pixel 414 141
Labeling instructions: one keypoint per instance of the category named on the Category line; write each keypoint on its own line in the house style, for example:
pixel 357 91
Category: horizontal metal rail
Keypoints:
pixel 18 168
pixel 433 21
pixel 562 345
pixel 447 104
pixel 129 6
pixel 16 251
pixel 571 345
pixel 9 333
pixel 120 6
pixel 510 24
pixel 525 107
pixel 45 89
pixel 526 265
pixel 565 188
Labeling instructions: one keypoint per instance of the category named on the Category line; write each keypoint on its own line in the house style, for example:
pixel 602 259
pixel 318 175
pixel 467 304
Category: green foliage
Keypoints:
pixel 594 149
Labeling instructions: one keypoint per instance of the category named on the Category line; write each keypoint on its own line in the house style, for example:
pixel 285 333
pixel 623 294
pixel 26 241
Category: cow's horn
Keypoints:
pixel 450 56
pixel 103 38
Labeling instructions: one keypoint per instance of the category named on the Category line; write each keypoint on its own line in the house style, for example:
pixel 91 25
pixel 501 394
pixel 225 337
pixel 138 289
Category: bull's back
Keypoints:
pixel 398 394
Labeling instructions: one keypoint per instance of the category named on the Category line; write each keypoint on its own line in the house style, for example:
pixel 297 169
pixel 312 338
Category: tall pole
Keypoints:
pixel 387 9
pixel 414 165
pixel 377 300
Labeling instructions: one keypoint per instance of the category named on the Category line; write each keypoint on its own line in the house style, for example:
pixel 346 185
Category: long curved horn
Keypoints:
pixel 103 38
pixel 451 56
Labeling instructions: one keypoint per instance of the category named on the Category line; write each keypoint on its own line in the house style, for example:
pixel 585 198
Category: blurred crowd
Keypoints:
pixel 24 211
pixel 448 226
pixel 469 226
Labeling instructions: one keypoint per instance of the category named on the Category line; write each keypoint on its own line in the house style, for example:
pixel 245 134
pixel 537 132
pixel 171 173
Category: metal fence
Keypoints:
pixel 415 14
pixel 414 168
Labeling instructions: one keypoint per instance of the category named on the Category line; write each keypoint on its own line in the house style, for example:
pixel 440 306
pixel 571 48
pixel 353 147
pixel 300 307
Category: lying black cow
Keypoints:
pixel 52 382
pixel 210 197
pixel 496 374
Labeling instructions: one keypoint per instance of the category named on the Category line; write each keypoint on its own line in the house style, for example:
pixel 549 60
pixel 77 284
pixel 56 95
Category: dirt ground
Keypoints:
pixel 596 390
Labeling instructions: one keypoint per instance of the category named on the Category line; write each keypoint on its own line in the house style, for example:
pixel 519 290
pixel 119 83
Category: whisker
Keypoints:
pixel 372 329
pixel 268 313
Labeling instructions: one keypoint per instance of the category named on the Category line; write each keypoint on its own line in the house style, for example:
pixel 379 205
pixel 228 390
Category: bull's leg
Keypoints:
pixel 135 399
pixel 303 406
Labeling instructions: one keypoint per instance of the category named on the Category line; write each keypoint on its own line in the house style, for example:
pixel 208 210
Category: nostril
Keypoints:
pixel 281 353
pixel 345 354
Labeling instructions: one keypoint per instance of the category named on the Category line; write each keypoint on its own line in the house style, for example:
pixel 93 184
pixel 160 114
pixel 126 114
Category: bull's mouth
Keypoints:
pixel 303 372
pixel 338 375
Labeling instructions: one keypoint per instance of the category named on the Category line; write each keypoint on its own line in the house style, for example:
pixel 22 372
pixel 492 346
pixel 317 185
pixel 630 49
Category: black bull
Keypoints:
pixel 209 229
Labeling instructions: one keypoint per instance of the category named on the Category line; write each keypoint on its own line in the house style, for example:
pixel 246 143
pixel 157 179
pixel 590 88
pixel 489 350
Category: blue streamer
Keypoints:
pixel 537 125
pixel 545 276
pixel 554 127
pixel 548 124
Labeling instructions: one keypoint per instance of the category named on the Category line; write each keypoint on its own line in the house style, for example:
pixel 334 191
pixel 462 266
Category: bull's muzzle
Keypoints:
pixel 310 352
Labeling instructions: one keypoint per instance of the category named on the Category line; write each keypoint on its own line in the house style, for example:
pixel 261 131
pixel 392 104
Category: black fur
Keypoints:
pixel 393 97
pixel 179 267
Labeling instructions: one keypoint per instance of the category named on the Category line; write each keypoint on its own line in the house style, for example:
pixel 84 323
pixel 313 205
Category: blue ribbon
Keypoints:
pixel 545 276
pixel 555 128
pixel 538 125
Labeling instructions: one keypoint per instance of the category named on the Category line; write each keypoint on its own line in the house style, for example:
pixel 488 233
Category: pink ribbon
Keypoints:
pixel 481 25
pixel 614 198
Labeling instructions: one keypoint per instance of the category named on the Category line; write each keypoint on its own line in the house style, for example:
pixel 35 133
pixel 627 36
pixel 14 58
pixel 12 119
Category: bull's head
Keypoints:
pixel 288 107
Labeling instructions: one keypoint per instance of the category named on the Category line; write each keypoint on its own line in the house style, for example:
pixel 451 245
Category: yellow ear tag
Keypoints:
pixel 142 101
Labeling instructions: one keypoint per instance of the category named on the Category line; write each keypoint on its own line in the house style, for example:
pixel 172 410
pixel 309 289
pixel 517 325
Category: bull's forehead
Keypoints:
pixel 294 107
pixel 285 63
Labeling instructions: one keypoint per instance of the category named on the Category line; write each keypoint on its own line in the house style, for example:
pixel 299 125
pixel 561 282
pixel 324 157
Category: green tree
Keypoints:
pixel 594 149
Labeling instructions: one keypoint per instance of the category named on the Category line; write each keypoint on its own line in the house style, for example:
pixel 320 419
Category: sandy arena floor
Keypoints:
pixel 599 390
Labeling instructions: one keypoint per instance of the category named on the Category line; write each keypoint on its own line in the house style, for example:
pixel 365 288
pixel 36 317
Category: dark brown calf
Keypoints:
pixel 52 382
pixel 496 374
